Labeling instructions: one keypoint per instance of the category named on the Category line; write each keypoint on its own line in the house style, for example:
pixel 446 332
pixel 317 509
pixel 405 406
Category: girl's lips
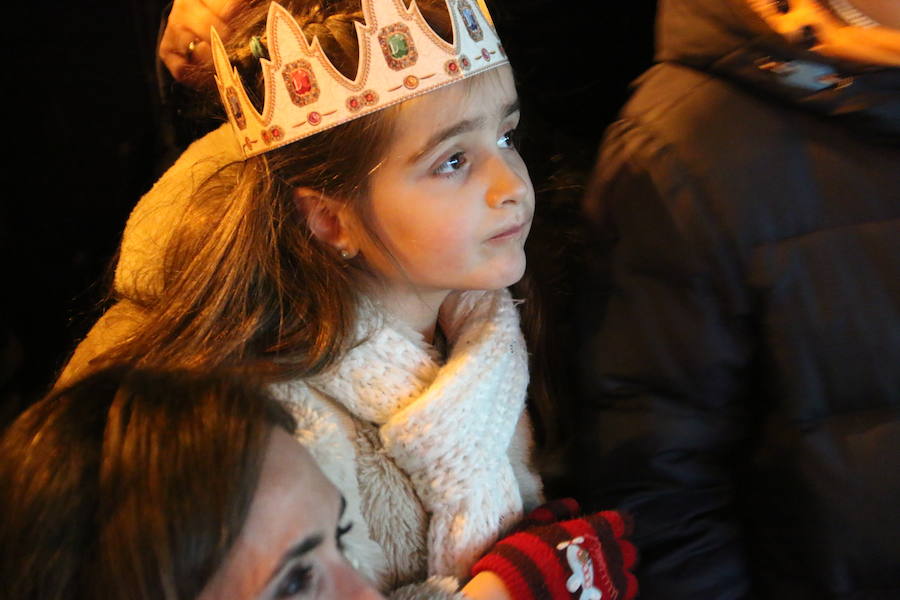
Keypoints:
pixel 508 233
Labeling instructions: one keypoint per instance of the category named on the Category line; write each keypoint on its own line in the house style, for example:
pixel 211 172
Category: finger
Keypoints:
pixel 217 20
pixel 175 40
pixel 177 66
pixel 221 10
pixel 202 54
pixel 197 17
pixel 182 54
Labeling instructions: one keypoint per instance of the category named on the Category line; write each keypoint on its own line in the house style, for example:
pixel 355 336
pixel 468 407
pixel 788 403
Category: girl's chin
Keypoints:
pixel 506 275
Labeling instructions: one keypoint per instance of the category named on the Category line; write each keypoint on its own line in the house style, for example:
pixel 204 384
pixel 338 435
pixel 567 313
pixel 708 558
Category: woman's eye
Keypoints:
pixel 508 139
pixel 341 532
pixel 452 164
pixel 297 580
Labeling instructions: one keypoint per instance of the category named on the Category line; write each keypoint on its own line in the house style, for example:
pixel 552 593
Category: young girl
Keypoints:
pixel 362 269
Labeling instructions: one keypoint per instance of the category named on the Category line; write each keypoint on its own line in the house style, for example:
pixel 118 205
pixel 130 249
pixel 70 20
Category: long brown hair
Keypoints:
pixel 130 484
pixel 245 283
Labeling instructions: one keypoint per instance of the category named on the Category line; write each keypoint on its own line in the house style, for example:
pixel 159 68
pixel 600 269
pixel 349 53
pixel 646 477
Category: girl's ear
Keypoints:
pixel 327 218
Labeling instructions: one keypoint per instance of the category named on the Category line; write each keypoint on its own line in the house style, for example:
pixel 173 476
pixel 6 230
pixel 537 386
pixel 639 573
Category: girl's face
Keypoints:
pixel 290 545
pixel 452 200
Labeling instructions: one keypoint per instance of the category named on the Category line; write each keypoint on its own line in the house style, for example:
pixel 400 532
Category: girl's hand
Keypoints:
pixel 587 557
pixel 486 586
pixel 184 47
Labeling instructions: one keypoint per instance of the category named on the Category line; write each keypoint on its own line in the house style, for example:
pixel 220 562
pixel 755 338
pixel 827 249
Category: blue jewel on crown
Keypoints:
pixel 235 105
pixel 471 23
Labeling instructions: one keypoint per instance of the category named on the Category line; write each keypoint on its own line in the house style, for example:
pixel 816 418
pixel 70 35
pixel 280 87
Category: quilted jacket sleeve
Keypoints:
pixel 663 369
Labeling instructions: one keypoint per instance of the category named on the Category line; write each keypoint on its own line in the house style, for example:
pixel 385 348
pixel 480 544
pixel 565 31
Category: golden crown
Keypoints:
pixel 400 57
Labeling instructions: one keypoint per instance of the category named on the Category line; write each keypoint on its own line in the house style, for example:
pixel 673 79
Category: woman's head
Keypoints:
pixel 133 484
pixel 290 545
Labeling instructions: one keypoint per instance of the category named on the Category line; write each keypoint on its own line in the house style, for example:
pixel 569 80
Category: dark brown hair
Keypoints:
pixel 130 484
pixel 244 283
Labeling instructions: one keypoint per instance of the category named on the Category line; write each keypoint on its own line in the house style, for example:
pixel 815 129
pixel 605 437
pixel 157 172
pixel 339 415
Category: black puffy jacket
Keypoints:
pixel 741 389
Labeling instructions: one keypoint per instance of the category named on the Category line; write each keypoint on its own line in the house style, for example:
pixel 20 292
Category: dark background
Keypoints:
pixel 88 134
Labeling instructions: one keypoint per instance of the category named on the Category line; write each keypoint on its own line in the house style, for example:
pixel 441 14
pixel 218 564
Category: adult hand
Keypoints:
pixel 184 47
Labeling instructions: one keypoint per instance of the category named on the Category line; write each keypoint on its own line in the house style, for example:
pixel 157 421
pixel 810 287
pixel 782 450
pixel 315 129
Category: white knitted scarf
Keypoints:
pixel 448 427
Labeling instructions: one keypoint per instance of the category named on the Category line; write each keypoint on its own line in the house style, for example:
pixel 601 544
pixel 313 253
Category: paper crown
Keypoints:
pixel 400 57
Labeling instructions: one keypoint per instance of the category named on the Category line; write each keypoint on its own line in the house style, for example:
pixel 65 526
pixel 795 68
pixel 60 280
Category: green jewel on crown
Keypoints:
pixel 397 44
pixel 398 47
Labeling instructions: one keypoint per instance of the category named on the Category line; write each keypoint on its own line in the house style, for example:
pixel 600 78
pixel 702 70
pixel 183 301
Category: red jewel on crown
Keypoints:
pixel 313 118
pixel 300 79
pixel 300 82
pixel 485 54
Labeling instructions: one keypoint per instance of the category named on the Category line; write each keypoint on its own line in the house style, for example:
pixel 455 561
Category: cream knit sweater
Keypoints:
pixel 432 459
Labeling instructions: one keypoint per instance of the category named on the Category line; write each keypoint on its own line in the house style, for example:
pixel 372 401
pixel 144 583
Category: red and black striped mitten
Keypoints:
pixel 549 512
pixel 587 558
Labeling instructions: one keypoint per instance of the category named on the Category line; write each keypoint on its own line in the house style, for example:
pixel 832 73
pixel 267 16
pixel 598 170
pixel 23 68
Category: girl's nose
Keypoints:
pixel 506 184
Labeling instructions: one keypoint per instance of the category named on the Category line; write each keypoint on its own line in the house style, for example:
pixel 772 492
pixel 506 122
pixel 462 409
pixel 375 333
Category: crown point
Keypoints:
pixel 301 85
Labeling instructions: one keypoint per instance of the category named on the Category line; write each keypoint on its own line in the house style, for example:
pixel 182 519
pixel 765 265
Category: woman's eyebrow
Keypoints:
pixel 458 128
pixel 296 551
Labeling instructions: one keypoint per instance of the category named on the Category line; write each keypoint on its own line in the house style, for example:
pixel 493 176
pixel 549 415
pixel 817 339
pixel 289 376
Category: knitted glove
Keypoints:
pixel 585 558
pixel 562 509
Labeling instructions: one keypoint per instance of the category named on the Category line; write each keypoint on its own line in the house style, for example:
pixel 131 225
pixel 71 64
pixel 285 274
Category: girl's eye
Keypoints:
pixel 452 164
pixel 508 139
pixel 297 580
pixel 341 532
